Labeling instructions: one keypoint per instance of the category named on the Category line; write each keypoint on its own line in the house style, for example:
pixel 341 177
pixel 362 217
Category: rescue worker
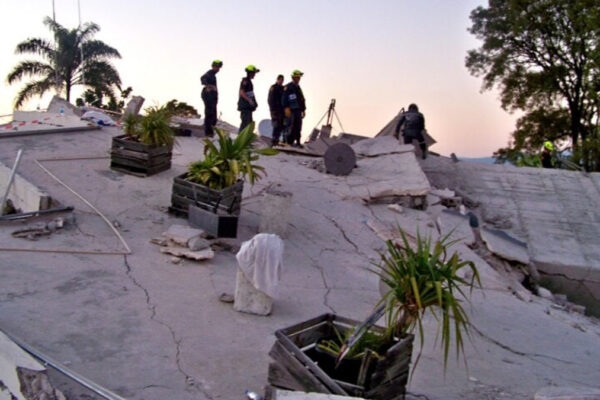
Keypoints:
pixel 210 97
pixel 247 101
pixel 547 154
pixel 276 108
pixel 412 124
pixel 294 107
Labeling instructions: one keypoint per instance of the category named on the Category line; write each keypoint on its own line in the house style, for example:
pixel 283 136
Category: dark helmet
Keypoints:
pixel 413 107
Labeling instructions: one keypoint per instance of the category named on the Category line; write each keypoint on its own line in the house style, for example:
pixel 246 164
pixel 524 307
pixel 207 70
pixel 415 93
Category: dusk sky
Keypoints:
pixel 374 57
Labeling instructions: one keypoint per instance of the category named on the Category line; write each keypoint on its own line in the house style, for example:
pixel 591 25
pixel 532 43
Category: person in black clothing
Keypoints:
pixel 412 124
pixel 247 101
pixel 210 97
pixel 294 107
pixel 276 108
pixel 547 154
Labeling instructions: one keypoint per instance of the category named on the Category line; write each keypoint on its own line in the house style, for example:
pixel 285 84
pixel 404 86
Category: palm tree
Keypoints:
pixel 62 66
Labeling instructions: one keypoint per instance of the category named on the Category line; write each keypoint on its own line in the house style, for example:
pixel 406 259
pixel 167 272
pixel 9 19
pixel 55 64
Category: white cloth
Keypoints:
pixel 98 117
pixel 261 259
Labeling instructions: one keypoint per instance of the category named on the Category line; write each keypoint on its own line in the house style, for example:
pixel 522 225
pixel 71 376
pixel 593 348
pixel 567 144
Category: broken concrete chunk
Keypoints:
pixel 396 208
pixel 380 146
pixel 197 243
pixel 159 241
pixel 181 234
pixel 443 193
pixel 505 246
pixel 58 103
pixel 226 298
pixel 175 260
pixel 545 293
pixel 248 299
pixel 293 395
pixel 567 393
pixel 205 254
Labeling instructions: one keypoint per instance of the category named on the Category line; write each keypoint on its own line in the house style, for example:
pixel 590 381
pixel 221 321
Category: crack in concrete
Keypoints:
pixel 189 380
pixel 562 275
pixel 531 356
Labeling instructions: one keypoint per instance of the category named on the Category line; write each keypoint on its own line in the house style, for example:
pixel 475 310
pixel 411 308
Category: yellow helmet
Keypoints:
pixel 548 145
pixel 297 72
pixel 252 68
pixel 217 63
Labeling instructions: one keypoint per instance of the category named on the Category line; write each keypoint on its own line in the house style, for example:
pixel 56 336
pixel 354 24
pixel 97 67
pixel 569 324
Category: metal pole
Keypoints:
pixel 10 180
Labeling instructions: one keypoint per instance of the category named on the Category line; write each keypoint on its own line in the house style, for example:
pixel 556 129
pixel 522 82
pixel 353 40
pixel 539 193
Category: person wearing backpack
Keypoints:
pixel 412 125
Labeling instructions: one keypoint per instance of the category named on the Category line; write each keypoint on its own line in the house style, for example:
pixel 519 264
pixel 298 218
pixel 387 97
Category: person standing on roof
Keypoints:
pixel 247 101
pixel 412 124
pixel 294 107
pixel 210 97
pixel 547 154
pixel 276 108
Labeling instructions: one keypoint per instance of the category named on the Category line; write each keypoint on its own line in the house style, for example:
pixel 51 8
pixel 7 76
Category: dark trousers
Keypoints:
pixel 246 116
pixel 210 113
pixel 295 127
pixel 410 136
pixel 277 124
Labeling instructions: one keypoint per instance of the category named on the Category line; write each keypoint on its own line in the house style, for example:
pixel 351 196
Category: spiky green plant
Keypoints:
pixel 370 340
pixel 426 279
pixel 131 125
pixel 154 127
pixel 231 160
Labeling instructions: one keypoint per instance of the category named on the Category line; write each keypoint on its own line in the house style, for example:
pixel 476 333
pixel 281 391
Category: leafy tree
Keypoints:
pixel 181 109
pixel 61 66
pixel 95 98
pixel 544 57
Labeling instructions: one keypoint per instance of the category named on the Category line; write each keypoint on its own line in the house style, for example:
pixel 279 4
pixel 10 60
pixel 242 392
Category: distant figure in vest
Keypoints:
pixel 276 108
pixel 547 154
pixel 294 107
pixel 247 100
pixel 210 97
pixel 412 125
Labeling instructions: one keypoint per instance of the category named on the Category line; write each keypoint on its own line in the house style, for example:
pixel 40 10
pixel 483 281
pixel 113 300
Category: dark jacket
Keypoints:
pixel 293 97
pixel 209 78
pixel 275 93
pixel 247 87
pixel 412 123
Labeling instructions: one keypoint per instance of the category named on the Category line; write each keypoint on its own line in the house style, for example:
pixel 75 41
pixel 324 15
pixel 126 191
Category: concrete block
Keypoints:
pixel 24 195
pixel 248 299
pixel 181 234
pixel 206 254
pixel 134 106
pixel 567 393
pixel 505 246
pixel 197 243
pixel 380 146
pixel 275 212
pixel 293 395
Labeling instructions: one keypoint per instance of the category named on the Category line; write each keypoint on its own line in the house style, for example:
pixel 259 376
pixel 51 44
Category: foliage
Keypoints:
pixel 181 109
pixel 369 340
pixel 131 125
pixel 233 159
pixel 425 279
pixel 154 127
pixel 544 57
pixel 95 98
pixel 62 67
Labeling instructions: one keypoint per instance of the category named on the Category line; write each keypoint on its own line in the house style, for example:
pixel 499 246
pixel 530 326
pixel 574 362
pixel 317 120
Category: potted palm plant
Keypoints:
pixel 146 146
pixel 210 192
pixel 332 354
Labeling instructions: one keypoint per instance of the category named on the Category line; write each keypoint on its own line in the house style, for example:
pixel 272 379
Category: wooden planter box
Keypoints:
pixel 223 202
pixel 297 365
pixel 138 159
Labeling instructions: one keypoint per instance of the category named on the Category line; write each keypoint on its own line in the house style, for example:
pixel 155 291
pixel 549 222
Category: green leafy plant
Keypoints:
pixel 369 340
pixel 131 125
pixel 424 279
pixel 231 160
pixel 154 127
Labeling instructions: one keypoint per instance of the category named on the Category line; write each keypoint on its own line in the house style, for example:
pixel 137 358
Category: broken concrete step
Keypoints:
pixel 181 234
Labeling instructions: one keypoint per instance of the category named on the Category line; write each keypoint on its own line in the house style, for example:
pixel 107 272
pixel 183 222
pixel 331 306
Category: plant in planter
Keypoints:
pixel 146 147
pixel 212 187
pixel 376 360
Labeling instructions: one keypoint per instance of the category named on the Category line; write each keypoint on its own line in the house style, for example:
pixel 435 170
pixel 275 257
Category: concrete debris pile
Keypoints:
pixel 45 228
pixel 556 212
pixel 186 242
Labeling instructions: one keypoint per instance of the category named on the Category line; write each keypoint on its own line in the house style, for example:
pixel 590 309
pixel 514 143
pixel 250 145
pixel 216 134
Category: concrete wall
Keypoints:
pixel 24 195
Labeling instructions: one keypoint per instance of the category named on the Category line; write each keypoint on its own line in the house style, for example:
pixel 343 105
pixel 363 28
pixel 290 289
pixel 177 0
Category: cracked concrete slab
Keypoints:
pixel 146 330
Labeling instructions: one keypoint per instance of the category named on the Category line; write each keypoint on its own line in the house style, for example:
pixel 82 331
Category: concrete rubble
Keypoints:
pixel 146 330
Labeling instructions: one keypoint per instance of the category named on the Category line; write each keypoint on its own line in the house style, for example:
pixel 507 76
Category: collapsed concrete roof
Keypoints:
pixel 150 329
pixel 390 130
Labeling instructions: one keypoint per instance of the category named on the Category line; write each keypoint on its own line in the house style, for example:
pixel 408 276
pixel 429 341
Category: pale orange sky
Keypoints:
pixel 374 57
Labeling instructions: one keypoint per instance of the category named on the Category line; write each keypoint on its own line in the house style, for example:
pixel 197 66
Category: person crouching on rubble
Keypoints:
pixel 412 124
